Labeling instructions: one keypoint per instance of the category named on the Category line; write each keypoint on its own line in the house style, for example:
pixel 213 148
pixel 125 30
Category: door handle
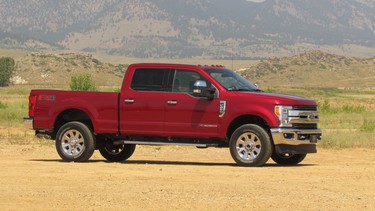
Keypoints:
pixel 129 100
pixel 172 102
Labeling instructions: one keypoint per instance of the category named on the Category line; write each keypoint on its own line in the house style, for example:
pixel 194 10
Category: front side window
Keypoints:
pixel 184 81
pixel 149 79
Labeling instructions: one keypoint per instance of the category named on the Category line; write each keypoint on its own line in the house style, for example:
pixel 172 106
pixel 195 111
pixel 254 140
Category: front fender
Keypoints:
pixel 266 112
pixel 263 111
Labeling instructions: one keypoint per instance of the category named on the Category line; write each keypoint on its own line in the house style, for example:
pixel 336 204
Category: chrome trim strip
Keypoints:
pixel 161 143
pixel 293 120
pixel 302 113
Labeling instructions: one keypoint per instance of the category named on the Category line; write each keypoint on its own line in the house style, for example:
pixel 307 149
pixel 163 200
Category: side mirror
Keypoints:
pixel 201 90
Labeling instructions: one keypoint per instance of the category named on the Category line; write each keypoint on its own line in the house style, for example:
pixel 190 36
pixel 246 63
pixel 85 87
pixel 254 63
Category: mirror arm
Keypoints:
pixel 211 93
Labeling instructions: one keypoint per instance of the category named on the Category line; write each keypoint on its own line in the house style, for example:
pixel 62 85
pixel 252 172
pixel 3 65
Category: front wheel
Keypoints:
pixel 75 142
pixel 250 145
pixel 117 153
pixel 287 159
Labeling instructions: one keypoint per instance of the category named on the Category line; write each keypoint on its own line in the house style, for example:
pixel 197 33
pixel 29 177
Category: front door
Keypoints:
pixel 186 115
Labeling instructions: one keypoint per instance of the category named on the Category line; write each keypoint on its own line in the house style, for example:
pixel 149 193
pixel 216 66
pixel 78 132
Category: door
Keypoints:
pixel 142 106
pixel 186 115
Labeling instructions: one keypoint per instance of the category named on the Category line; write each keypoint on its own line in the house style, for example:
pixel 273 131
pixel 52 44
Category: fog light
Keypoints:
pixel 302 137
pixel 289 136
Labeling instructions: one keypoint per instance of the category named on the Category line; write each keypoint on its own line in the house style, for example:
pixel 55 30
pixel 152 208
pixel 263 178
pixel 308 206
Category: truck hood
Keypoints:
pixel 278 99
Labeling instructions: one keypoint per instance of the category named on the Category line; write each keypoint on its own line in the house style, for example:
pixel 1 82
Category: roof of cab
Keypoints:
pixel 174 65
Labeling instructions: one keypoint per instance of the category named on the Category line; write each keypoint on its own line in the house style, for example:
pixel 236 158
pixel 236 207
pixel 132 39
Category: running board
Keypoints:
pixel 200 145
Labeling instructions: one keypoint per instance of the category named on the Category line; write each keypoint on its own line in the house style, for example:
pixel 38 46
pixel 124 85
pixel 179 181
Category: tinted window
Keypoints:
pixel 184 80
pixel 149 79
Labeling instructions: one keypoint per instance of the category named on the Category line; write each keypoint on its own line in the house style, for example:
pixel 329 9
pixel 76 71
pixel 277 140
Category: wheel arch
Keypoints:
pixel 247 119
pixel 70 115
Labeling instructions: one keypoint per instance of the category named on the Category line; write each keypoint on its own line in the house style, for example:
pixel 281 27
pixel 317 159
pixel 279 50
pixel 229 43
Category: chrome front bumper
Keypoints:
pixel 295 137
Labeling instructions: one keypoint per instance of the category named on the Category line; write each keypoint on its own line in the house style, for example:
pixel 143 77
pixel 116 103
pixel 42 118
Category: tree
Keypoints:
pixel 82 82
pixel 7 66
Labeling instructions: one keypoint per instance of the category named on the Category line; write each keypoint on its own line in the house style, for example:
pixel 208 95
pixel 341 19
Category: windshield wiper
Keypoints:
pixel 245 90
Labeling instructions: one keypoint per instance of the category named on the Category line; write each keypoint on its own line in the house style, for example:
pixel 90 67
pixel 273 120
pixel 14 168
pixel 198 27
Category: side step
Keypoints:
pixel 200 145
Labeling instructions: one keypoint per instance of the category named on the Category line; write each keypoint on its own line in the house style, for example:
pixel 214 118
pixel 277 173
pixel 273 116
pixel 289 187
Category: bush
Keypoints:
pixel 3 105
pixel 7 66
pixel 353 109
pixel 82 82
pixel 368 126
pixel 326 108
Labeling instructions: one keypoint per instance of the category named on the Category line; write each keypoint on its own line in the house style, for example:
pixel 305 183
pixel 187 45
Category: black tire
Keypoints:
pixel 75 142
pixel 250 145
pixel 117 153
pixel 287 159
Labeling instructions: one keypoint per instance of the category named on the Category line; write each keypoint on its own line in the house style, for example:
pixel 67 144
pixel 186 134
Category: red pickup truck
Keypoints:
pixel 176 104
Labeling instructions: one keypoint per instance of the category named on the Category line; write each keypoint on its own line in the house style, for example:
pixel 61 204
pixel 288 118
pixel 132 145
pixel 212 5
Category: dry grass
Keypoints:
pixel 347 116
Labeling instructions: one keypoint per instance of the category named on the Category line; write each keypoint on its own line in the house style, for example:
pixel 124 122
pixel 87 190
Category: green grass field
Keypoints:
pixel 347 115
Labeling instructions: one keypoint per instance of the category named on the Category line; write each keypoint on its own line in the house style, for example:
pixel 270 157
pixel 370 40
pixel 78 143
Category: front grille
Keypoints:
pixel 305 108
pixel 305 126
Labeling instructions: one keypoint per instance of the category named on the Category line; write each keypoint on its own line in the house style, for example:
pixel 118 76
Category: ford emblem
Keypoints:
pixel 311 116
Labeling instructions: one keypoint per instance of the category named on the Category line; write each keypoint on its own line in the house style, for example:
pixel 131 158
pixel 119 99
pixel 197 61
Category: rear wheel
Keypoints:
pixel 117 153
pixel 287 159
pixel 250 145
pixel 75 142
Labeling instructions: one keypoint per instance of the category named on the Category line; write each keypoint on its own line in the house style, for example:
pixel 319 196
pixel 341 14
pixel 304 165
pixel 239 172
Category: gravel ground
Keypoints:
pixel 184 178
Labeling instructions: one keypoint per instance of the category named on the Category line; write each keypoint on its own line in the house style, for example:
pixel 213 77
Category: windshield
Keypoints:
pixel 231 81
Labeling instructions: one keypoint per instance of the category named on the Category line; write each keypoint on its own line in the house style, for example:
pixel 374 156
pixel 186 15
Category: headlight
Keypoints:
pixel 282 113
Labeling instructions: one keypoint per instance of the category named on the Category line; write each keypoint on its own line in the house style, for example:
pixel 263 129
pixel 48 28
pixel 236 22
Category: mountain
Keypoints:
pixel 190 28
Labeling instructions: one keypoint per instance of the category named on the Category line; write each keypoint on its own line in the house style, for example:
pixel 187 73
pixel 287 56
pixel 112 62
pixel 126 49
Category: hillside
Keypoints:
pixel 56 69
pixel 190 28
pixel 314 68
pixel 309 69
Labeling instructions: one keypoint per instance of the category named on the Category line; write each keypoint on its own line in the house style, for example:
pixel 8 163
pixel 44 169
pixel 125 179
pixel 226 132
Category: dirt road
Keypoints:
pixel 32 177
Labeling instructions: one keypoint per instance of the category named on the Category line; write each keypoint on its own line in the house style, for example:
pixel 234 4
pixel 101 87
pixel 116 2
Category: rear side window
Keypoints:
pixel 150 79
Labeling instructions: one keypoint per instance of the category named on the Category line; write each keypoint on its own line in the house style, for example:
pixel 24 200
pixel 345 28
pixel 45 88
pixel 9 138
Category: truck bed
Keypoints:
pixel 102 108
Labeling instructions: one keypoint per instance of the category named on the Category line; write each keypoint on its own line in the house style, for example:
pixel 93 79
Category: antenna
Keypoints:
pixel 232 45
pixel 232 58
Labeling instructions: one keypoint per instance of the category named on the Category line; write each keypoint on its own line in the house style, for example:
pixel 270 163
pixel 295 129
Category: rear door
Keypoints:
pixel 142 105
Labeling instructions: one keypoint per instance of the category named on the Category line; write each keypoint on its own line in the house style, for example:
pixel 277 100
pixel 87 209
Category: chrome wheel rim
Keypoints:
pixel 248 146
pixel 72 143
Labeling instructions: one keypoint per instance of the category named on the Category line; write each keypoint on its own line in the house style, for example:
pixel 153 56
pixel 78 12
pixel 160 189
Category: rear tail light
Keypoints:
pixel 32 105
